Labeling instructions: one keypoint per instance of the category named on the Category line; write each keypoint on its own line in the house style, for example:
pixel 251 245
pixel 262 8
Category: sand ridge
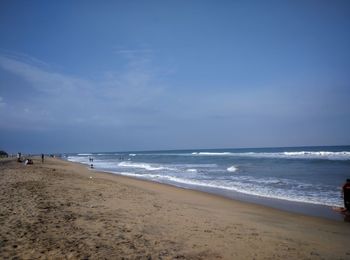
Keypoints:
pixel 64 210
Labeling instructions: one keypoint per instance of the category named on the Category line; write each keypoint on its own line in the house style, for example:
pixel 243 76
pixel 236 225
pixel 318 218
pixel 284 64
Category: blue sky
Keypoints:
pixel 147 75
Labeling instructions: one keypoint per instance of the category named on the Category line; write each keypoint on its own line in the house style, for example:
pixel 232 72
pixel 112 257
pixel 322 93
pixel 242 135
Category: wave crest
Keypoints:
pixel 145 166
pixel 318 155
pixel 232 168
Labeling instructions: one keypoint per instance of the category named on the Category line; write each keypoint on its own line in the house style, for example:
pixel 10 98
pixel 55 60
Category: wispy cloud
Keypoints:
pixel 136 97
pixel 117 99
pixel 40 77
pixel 134 51
pixel 2 103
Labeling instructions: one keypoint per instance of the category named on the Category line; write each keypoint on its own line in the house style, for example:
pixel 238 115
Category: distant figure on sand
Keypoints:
pixel 346 194
pixel 42 158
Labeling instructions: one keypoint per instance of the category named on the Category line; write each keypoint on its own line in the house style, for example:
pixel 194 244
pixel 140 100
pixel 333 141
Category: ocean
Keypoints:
pixel 299 175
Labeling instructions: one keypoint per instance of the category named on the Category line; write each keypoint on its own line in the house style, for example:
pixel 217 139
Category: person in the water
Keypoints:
pixel 346 194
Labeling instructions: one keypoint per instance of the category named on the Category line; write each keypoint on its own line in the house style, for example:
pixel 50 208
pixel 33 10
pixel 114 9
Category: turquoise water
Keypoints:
pixel 311 175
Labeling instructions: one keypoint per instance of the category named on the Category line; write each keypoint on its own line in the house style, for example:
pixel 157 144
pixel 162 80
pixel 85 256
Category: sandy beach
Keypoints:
pixel 62 210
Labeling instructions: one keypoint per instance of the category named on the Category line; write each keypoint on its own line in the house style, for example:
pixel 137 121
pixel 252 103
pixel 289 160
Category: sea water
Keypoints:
pixel 311 175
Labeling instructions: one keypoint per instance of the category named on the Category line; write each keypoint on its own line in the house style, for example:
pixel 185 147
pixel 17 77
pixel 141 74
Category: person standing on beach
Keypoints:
pixel 42 158
pixel 346 194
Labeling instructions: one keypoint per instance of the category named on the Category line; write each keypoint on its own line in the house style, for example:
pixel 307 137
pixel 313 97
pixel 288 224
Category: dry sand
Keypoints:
pixel 59 210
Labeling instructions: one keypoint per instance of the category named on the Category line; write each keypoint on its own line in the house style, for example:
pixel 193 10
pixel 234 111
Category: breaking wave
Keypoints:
pixel 241 187
pixel 145 166
pixel 325 155
pixel 232 169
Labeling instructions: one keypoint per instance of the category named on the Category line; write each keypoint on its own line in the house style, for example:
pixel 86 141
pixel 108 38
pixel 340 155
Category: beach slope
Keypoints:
pixel 64 210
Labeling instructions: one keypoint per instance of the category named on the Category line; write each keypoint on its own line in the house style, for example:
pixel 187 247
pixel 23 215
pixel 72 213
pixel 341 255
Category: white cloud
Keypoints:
pixel 117 99
pixel 40 78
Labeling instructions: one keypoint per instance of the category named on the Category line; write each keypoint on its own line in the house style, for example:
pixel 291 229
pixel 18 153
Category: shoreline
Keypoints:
pixel 62 209
pixel 321 212
pixel 302 208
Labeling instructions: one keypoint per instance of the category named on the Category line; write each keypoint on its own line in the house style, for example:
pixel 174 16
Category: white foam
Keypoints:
pixel 105 164
pixel 145 166
pixel 196 165
pixel 83 154
pixel 232 168
pixel 191 170
pixel 320 154
pixel 212 154
pixel 243 187
pixel 77 159
pixel 323 155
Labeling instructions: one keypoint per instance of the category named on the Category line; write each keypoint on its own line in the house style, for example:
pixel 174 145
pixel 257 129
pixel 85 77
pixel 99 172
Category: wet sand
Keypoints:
pixel 63 210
